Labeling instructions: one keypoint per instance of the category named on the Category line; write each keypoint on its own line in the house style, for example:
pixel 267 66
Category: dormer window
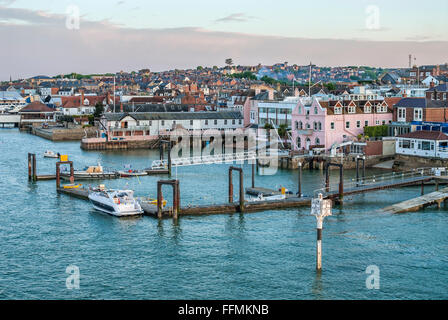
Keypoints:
pixel 337 110
pixel 368 109
pixel 351 109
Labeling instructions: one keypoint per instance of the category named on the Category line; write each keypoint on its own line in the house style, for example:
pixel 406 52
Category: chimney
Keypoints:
pixel 82 97
pixel 121 107
pixel 432 84
pixel 107 97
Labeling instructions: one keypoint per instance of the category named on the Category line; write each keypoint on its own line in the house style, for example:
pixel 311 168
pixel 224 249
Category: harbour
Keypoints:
pixel 357 226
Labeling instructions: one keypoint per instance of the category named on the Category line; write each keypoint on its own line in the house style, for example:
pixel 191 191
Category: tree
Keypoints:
pixel 330 86
pixel 99 109
pixel 229 62
pixel 200 68
pixel 268 126
pixel 282 130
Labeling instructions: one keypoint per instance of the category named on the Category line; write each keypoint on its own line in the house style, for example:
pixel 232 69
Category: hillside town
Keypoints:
pixel 316 110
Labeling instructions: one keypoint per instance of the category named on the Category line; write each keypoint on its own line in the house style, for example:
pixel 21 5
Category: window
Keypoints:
pixel 377 122
pixel 315 110
pixel 308 126
pixel 317 141
pixel 332 125
pixel 296 125
pixel 206 122
pixel 191 122
pixel 351 109
pixel 314 125
pixel 347 125
pixel 358 124
pixel 401 114
pixel 405 144
pixel 215 122
pixel 225 121
pixel 299 142
pixel 150 122
pixel 240 121
pixel 366 123
pixel 233 121
pixel 368 109
pixel 319 126
pixel 337 110
pixel 418 114
pixel 300 125
pixel 163 122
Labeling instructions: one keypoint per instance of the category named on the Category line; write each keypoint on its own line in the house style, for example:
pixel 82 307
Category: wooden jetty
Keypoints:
pixel 416 204
pixel 265 192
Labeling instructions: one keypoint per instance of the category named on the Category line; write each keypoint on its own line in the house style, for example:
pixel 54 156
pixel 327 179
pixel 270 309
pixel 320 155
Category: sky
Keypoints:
pixel 44 36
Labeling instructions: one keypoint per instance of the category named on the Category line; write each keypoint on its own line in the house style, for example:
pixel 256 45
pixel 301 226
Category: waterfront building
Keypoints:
pixel 324 124
pixel 11 100
pixel 430 144
pixel 409 112
pixel 151 125
pixel 36 113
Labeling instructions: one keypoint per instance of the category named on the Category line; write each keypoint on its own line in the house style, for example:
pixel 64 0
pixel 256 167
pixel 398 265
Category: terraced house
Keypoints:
pixel 323 124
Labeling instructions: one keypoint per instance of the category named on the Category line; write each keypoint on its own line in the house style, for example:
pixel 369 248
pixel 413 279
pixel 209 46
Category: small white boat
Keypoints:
pixel 51 154
pixel 119 203
pixel 132 173
pixel 267 198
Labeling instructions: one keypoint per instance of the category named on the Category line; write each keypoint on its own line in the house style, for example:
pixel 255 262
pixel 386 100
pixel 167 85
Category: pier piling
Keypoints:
pixel 176 197
pixel 299 192
pixel 241 193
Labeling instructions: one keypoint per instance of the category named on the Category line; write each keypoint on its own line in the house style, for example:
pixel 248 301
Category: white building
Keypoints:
pixel 11 100
pixel 155 123
pixel 429 144
pixel 276 112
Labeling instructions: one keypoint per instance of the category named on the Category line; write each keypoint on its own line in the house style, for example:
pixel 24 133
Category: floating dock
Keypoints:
pixel 416 204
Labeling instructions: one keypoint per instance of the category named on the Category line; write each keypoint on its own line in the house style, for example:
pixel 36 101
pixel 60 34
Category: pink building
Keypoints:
pixel 326 123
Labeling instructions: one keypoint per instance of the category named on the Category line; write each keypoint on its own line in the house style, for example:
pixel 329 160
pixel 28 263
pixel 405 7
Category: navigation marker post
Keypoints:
pixel 320 208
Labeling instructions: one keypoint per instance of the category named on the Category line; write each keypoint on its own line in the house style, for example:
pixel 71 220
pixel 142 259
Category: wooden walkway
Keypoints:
pixel 226 208
pixel 416 204
pixel 380 186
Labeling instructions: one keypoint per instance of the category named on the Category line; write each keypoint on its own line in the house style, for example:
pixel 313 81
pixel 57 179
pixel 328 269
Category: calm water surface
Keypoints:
pixel 265 255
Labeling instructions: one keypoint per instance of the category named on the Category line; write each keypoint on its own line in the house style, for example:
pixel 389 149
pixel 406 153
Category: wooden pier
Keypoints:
pixel 416 204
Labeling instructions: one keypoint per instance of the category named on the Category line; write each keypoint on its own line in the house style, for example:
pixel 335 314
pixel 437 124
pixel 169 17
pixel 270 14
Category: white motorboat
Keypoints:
pixel 51 154
pixel 119 203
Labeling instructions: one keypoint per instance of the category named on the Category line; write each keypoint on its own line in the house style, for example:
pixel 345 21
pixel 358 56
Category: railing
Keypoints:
pixel 385 179
pixel 208 159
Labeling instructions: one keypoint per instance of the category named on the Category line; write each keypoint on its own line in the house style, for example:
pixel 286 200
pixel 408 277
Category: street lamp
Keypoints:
pixel 320 208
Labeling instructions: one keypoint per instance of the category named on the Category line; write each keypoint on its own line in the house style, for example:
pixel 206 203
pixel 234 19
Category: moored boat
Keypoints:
pixel 51 154
pixel 91 173
pixel 119 203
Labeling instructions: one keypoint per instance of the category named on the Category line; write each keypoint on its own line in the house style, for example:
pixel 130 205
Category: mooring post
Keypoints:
pixel 253 175
pixel 169 158
pixel 357 171
pixel 58 175
pixel 34 167
pixel 29 166
pixel 178 196
pixel 327 178
pixel 175 199
pixel 437 185
pixel 161 151
pixel 299 193
pixel 341 183
pixel 363 168
pixel 423 187
pixel 241 191
pixel 230 186
pixel 159 200
pixel 72 173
